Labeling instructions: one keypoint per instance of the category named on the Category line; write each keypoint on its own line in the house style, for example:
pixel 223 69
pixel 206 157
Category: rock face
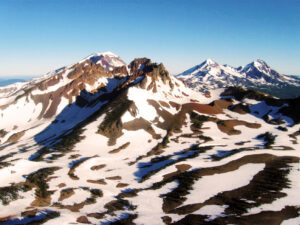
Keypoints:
pixel 257 75
pixel 83 219
pixel 102 142
pixel 144 66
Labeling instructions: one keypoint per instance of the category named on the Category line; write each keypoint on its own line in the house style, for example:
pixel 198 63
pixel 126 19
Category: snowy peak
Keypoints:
pixel 210 70
pixel 210 62
pixel 107 60
pixel 108 53
pixel 256 75
pixel 206 65
pixel 258 65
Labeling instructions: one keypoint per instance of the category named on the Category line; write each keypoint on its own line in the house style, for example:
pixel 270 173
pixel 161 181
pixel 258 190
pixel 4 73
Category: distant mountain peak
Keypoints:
pixel 257 75
pixel 205 65
pixel 257 64
pixel 209 61
pixel 260 61
pixel 107 60
pixel 107 53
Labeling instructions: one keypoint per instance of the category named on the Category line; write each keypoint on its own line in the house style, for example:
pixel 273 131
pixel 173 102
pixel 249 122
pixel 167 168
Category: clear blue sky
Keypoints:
pixel 37 36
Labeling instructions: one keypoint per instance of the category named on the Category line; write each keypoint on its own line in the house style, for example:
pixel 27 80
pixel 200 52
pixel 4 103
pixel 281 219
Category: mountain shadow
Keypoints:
pixel 65 130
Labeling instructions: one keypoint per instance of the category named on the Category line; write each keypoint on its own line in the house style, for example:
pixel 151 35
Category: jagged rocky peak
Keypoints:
pixel 144 66
pixel 137 65
pixel 153 75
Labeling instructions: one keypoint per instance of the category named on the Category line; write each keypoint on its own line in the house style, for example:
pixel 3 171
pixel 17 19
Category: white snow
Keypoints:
pixel 292 193
pixel 139 96
pixel 149 205
pixel 213 211
pixel 126 163
pixel 209 186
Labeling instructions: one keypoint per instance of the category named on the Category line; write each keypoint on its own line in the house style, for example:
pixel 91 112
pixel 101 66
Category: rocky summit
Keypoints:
pixel 103 142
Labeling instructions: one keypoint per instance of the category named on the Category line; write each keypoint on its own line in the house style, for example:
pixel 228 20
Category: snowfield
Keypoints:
pixel 144 148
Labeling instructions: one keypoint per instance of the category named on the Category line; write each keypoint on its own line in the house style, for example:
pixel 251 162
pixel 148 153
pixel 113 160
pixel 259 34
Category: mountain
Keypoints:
pixel 103 142
pixel 256 75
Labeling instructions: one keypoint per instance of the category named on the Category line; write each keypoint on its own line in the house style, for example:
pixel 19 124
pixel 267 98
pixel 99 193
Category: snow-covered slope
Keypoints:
pixel 32 103
pixel 256 75
pixel 145 149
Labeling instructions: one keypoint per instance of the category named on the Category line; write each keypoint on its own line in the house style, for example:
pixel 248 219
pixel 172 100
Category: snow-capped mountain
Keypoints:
pixel 102 142
pixel 107 60
pixel 256 75
pixel 210 75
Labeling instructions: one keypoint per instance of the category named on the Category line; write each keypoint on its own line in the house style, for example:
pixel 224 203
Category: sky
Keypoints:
pixel 39 36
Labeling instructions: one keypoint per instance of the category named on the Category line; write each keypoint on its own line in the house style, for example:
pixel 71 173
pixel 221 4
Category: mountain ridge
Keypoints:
pixel 256 75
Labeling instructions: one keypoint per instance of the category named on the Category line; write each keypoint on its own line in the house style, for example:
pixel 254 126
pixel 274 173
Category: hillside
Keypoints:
pixel 102 142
